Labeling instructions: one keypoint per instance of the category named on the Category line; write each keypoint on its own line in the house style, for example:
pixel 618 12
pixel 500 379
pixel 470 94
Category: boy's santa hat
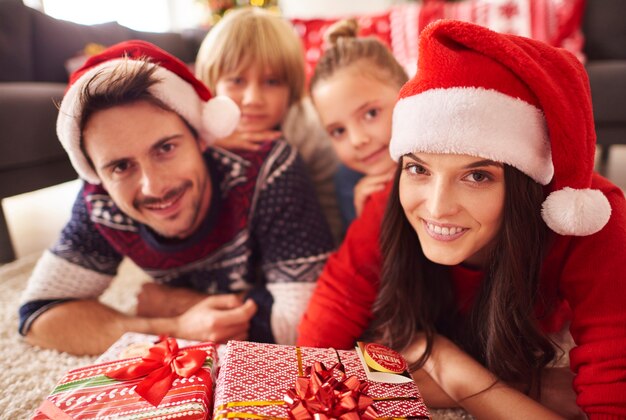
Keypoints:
pixel 512 100
pixel 177 87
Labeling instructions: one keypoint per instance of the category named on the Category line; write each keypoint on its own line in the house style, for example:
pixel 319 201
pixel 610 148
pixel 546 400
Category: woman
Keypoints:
pixel 491 243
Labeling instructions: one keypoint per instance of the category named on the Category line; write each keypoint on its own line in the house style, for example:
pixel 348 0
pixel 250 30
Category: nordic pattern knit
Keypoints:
pixel 264 234
pixel 584 274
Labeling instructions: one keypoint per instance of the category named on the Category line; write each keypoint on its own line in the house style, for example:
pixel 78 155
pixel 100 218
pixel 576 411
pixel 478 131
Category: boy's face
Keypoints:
pixel 355 109
pixel 152 166
pixel 261 95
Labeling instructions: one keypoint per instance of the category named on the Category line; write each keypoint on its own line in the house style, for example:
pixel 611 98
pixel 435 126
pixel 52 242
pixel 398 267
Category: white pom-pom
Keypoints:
pixel 220 117
pixel 576 212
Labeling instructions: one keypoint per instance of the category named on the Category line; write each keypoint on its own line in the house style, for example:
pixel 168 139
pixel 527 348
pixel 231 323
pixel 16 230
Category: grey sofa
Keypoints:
pixel 605 48
pixel 33 50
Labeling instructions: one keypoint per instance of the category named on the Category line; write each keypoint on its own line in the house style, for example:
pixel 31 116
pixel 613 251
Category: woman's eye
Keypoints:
pixel 478 177
pixel 415 169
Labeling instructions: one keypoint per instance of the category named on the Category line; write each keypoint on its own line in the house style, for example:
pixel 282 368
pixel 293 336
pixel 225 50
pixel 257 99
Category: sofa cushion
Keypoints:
pixel 28 116
pixel 608 90
pixel 55 41
pixel 604 29
pixel 15 42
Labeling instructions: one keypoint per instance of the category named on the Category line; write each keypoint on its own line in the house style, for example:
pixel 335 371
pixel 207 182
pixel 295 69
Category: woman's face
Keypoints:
pixel 455 204
pixel 355 109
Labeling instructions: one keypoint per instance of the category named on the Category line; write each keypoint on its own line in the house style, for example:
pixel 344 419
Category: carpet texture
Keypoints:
pixel 28 374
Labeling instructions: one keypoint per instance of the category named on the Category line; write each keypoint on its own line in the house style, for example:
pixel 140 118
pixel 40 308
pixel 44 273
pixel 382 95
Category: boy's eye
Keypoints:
pixel 236 80
pixel 274 81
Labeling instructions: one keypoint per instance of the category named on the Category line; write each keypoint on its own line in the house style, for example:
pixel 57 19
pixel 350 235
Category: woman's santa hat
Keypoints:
pixel 512 100
pixel 177 87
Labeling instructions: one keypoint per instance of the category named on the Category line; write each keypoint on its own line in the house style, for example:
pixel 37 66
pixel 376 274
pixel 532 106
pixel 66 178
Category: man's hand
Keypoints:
pixel 217 318
pixel 158 301
pixel 246 140
pixel 368 185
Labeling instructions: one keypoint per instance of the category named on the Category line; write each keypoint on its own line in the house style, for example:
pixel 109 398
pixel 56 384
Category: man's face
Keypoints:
pixel 152 166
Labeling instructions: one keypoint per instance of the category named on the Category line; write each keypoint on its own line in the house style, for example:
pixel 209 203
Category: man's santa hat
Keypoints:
pixel 212 117
pixel 512 100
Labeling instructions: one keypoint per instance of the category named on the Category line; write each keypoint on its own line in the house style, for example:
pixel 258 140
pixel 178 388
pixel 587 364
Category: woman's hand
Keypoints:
pixel 469 384
pixel 247 140
pixel 368 185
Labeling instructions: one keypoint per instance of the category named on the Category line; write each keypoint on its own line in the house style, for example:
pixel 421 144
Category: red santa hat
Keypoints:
pixel 177 87
pixel 512 100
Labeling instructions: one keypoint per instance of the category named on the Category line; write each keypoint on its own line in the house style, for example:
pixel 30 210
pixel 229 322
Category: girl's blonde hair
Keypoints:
pixel 344 49
pixel 253 36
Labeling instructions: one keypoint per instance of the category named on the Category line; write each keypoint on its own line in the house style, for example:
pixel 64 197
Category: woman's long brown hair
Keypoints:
pixel 501 331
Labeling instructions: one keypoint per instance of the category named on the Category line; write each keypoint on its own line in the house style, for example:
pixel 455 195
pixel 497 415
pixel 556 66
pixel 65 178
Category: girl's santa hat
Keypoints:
pixel 512 100
pixel 177 87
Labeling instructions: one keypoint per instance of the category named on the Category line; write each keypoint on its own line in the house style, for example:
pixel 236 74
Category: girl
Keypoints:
pixel 256 58
pixel 498 238
pixel 354 88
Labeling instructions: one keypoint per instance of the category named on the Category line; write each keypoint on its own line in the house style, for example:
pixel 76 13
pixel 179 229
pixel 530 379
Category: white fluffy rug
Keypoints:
pixel 28 374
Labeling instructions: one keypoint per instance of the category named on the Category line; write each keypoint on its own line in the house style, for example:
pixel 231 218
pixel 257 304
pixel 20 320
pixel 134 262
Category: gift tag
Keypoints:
pixel 382 364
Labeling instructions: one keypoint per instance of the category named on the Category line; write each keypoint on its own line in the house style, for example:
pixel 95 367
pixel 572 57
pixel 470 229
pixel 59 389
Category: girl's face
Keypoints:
pixel 356 108
pixel 455 204
pixel 261 95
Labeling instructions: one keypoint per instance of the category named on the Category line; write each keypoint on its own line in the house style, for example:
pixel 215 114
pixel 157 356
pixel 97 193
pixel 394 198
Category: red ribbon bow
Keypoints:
pixel 328 394
pixel 162 365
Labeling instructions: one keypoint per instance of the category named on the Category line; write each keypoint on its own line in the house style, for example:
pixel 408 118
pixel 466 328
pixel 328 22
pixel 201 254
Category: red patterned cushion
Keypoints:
pixel 311 32
pixel 556 22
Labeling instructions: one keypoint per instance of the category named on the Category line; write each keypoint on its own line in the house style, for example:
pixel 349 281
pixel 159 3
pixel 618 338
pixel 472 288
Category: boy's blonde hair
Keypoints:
pixel 344 49
pixel 253 36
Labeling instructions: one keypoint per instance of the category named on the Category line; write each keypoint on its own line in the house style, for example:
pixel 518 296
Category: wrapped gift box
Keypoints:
pixel 87 393
pixel 254 378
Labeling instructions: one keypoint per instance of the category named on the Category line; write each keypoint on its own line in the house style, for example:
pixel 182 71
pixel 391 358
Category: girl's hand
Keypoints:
pixel 247 140
pixel 368 185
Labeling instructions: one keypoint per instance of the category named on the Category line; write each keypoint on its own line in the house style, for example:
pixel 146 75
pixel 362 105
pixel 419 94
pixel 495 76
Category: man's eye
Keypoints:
pixel 121 167
pixel 167 147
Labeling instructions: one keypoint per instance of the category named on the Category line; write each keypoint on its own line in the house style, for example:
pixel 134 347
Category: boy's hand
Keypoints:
pixel 248 140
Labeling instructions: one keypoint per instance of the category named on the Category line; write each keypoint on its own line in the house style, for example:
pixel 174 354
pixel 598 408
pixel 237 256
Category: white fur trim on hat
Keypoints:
pixel 576 212
pixel 477 122
pixel 213 119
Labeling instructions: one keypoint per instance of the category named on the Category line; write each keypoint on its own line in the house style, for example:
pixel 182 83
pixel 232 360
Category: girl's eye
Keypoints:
pixel 371 114
pixel 337 132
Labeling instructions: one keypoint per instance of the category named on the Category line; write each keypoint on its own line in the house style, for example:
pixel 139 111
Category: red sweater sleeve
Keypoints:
pixel 593 280
pixel 340 309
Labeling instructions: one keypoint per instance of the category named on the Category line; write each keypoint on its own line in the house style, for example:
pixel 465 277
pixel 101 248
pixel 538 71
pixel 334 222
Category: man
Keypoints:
pixel 233 241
